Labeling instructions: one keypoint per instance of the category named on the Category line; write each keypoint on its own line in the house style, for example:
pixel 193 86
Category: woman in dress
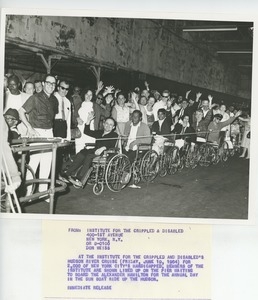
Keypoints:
pixel 85 109
pixel 246 135
pixel 149 111
pixel 225 131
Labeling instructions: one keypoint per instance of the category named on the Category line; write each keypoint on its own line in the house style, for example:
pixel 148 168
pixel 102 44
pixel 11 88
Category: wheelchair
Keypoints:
pixel 111 168
pixel 169 159
pixel 161 145
pixel 192 156
pixel 165 159
pixel 236 145
pixel 185 156
pixel 213 153
pixel 145 166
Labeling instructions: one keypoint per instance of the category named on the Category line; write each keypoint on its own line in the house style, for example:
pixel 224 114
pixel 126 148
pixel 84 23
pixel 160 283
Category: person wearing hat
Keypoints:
pixel 216 125
pixel 12 119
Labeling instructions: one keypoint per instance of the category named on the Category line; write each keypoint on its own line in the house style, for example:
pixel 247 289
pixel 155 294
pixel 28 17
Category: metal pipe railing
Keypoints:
pixel 41 144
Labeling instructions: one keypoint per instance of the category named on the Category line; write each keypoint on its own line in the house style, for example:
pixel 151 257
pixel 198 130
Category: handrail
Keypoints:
pixel 25 145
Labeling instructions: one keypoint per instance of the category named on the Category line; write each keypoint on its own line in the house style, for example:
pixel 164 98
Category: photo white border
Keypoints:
pixel 154 15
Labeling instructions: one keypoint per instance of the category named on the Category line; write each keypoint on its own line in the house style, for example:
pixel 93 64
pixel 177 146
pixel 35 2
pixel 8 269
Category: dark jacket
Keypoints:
pixel 188 134
pixel 188 111
pixel 201 128
pixel 108 140
pixel 165 127
pixel 209 116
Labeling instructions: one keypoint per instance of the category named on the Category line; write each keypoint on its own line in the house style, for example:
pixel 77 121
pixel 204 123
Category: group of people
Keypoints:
pixel 44 109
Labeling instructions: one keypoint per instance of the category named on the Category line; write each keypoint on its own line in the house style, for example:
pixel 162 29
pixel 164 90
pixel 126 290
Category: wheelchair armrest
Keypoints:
pixel 87 145
pixel 142 147
pixel 112 150
pixel 212 144
pixel 169 143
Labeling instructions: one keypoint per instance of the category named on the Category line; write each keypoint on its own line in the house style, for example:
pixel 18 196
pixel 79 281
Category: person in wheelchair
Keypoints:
pixel 136 133
pixel 216 125
pixel 185 134
pixel 200 126
pixel 161 130
pixel 105 139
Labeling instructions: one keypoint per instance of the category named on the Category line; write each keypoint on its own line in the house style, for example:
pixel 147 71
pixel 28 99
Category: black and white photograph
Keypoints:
pixel 126 116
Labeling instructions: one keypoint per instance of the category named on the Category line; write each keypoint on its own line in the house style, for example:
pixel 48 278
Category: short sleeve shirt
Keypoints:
pixel 41 110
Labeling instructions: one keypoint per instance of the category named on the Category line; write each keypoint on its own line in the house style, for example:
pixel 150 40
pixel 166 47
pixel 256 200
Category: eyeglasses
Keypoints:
pixel 99 97
pixel 63 88
pixel 50 83
pixel 165 96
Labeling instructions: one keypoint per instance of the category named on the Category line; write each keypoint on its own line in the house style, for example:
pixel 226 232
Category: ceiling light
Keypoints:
pixel 212 28
pixel 235 52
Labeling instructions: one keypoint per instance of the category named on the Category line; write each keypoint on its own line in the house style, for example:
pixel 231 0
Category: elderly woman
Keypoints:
pixel 121 113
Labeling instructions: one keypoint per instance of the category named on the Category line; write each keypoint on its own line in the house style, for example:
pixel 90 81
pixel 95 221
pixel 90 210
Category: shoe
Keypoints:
pixel 76 182
pixel 63 177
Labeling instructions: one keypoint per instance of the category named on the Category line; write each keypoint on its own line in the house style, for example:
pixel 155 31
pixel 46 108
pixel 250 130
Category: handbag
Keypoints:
pixel 248 135
pixel 75 133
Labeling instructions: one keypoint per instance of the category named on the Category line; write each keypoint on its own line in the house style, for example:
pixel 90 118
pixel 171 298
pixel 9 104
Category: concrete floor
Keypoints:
pixel 217 192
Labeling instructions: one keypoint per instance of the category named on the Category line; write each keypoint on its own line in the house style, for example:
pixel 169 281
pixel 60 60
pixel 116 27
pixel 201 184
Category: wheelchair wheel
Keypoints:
pixel 173 160
pixel 136 178
pixel 118 172
pixel 205 155
pixel 98 188
pixel 163 172
pixel 29 170
pixel 149 167
pixel 236 150
pixel 188 158
pixel 182 160
pixel 224 151
pixel 231 152
pixel 135 171
pixel 215 155
pixel 163 166
pixel 194 157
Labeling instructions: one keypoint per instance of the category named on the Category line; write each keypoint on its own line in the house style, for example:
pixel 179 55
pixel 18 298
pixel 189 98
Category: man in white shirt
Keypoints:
pixel 62 122
pixel 161 104
pixel 137 133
